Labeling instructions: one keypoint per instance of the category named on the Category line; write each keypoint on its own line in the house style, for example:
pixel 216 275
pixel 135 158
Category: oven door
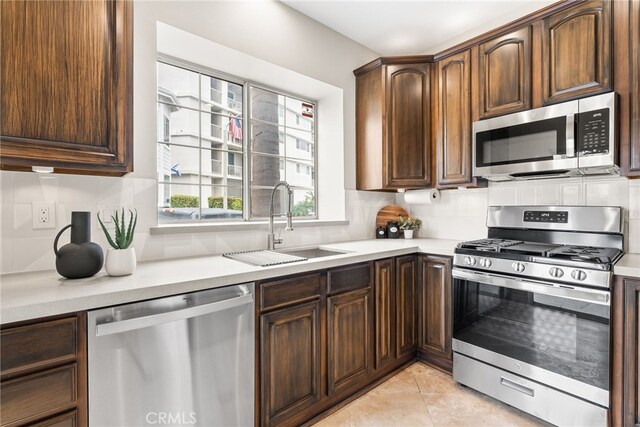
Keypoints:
pixel 555 335
pixel 539 141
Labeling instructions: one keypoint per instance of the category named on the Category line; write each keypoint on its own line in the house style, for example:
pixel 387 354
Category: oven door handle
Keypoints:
pixel 545 288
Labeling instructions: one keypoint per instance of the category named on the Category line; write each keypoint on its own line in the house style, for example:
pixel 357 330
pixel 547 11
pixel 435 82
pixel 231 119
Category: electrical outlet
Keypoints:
pixel 44 215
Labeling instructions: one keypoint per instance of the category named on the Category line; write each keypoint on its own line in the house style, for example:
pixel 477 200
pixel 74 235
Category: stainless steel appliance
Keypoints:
pixel 569 139
pixel 180 360
pixel 532 310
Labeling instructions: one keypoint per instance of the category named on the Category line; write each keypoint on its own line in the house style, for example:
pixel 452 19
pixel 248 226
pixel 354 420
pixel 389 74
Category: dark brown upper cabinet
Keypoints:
pixel 393 124
pixel 576 54
pixel 626 53
pixel 504 81
pixel 67 77
pixel 452 121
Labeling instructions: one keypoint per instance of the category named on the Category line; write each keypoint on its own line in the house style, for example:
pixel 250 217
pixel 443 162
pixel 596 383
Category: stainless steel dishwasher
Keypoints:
pixel 180 360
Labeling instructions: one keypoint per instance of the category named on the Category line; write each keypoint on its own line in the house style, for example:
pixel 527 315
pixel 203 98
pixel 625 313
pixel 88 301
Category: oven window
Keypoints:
pixel 564 336
pixel 527 142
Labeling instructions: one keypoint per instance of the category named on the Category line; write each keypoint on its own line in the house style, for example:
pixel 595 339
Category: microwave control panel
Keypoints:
pixel 593 132
pixel 546 216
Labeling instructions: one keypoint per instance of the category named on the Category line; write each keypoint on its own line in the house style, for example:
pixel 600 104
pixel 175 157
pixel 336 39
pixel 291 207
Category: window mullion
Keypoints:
pixel 246 153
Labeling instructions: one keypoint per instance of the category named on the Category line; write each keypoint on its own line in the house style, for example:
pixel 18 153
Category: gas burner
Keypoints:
pixel 586 253
pixel 488 245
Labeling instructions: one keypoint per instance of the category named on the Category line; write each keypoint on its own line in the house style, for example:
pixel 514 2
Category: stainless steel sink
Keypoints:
pixel 310 252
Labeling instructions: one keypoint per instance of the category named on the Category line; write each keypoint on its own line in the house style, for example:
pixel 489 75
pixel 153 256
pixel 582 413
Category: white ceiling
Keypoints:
pixel 405 27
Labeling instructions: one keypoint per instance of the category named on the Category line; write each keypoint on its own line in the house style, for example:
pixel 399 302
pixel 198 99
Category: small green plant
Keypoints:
pixel 123 233
pixel 233 203
pixel 184 201
pixel 411 223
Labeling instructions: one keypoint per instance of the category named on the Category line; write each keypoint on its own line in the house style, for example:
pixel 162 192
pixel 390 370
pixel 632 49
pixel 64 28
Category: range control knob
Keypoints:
pixel 556 272
pixel 484 262
pixel 518 267
pixel 578 275
pixel 469 260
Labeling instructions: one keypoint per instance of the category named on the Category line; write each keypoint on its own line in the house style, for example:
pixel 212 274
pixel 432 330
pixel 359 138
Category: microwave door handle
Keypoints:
pixel 570 133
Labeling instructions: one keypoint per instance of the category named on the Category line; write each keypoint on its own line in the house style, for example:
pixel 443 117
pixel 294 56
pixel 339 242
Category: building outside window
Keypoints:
pixel 218 159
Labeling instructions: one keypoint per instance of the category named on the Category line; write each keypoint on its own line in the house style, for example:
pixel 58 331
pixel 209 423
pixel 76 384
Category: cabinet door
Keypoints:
pixel 435 306
pixel 349 339
pixel 631 358
pixel 408 151
pixel 384 294
pixel 627 83
pixel 576 57
pixel 67 97
pixel 290 371
pixel 406 299
pixel 453 141
pixel 505 74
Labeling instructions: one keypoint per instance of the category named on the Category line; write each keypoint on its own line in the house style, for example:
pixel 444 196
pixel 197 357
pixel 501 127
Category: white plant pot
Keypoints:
pixel 408 234
pixel 120 262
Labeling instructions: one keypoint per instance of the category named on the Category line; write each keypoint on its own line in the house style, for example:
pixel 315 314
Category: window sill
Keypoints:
pixel 239 225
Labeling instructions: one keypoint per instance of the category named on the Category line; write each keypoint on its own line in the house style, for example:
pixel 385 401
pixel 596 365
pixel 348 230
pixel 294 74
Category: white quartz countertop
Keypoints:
pixel 628 265
pixel 26 296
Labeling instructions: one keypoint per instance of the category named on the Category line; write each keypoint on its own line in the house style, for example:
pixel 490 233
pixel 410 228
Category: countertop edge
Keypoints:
pixel 70 304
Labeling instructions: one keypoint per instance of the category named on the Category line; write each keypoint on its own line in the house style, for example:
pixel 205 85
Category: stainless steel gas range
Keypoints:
pixel 532 309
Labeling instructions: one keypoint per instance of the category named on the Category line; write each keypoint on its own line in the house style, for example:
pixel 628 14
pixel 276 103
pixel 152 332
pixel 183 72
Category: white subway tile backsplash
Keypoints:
pixel 6 187
pixel 6 254
pixel 633 236
pixel 503 194
pixel 548 194
pixel 572 194
pixel 607 192
pixel 634 202
pixel 33 253
pixel 460 214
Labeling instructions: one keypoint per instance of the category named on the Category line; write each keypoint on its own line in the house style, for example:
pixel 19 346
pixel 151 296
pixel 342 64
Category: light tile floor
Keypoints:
pixel 422 396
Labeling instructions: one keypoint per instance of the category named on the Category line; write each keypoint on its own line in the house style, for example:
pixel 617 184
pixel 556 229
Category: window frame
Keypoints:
pixel 247 153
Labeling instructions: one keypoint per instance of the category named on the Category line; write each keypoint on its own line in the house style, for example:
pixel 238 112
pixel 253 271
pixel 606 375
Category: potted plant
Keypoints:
pixel 408 225
pixel 121 257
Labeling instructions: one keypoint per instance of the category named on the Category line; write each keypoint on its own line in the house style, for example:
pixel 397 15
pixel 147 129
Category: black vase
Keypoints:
pixel 80 258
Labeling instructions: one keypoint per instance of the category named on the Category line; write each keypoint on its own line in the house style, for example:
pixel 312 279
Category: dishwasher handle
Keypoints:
pixel 171 316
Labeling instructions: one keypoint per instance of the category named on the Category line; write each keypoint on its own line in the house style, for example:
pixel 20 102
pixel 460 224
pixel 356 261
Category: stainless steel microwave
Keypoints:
pixel 573 138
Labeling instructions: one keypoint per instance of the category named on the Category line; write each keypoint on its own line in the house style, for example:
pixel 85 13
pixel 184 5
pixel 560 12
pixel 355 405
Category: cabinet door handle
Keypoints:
pixel 517 386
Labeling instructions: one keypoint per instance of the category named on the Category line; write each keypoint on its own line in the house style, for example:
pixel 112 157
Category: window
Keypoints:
pixel 219 157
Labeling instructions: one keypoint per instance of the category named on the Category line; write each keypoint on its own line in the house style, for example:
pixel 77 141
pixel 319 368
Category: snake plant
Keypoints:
pixel 123 233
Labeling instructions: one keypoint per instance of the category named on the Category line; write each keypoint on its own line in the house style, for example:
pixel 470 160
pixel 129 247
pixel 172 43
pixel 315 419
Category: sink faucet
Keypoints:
pixel 271 239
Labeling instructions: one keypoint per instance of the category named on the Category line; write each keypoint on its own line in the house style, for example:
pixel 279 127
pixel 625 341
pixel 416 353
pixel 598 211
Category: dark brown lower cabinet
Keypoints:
pixel 327 335
pixel 349 339
pixel 406 304
pixel 291 374
pixel 434 313
pixel 625 383
pixel 43 371
pixel 384 312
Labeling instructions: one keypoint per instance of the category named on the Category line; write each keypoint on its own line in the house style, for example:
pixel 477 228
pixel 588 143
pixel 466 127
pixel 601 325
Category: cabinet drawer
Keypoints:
pixel 38 395
pixel 289 291
pixel 349 278
pixel 69 419
pixel 25 347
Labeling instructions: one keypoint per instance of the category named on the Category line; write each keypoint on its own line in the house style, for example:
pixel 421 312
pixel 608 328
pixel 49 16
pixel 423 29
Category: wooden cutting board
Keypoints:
pixel 388 213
